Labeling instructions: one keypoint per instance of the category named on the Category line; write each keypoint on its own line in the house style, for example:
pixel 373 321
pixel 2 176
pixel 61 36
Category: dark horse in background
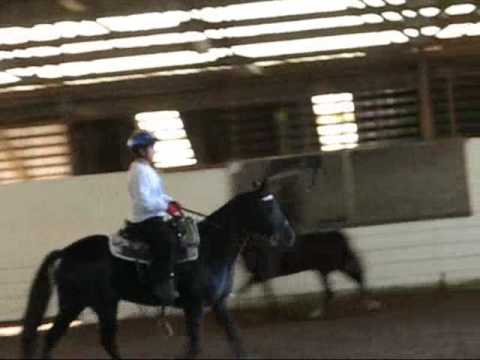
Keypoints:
pixel 87 275
pixel 322 252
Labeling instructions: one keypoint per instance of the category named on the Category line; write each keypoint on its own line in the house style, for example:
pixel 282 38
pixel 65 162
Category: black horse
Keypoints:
pixel 322 252
pixel 87 275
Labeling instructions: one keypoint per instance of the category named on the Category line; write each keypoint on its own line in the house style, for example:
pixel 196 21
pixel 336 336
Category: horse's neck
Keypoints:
pixel 219 234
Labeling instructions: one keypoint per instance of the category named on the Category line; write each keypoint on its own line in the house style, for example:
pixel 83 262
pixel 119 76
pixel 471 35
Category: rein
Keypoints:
pixel 219 227
pixel 202 215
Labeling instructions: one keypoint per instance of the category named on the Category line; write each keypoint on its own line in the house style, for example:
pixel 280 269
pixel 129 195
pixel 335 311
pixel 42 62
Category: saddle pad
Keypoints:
pixel 139 252
pixel 129 250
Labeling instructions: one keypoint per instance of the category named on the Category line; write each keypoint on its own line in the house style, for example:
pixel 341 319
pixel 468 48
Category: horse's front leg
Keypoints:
pixel 193 318
pixel 225 319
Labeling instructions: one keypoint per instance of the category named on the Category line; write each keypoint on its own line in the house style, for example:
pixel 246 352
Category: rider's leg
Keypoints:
pixel 162 239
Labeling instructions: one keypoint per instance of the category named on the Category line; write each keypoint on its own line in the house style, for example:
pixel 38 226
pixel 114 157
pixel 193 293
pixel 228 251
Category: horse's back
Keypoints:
pixel 333 241
pixel 90 248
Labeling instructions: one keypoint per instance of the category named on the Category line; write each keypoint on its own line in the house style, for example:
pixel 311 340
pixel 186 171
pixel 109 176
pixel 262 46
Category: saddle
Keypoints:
pixel 126 244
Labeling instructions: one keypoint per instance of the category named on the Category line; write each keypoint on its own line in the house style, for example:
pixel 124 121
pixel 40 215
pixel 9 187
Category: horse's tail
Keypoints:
pixel 38 300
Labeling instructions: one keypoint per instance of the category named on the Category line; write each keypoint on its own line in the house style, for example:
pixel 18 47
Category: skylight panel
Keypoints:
pixel 327 43
pixel 173 148
pixel 270 9
pixel 460 9
pixel 336 126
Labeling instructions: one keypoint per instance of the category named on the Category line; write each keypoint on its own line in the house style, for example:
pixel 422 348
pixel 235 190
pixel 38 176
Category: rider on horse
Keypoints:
pixel 151 209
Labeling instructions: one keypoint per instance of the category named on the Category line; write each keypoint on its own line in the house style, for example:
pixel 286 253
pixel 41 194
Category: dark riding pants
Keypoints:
pixel 161 238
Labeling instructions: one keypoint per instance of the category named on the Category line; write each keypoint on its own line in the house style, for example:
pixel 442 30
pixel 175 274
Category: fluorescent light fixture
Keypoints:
pixel 73 29
pixel 6 78
pixel 474 29
pixel 304 59
pixel 271 9
pixel 429 11
pixel 43 51
pixel 460 9
pixel 85 47
pixel 47 32
pixel 14 35
pixel 374 3
pixel 372 18
pixel 23 72
pixel 453 31
pixel 410 32
pixel 429 30
pixel 24 88
pixel 327 43
pixel 409 13
pixel 285 27
pixel 177 72
pixel 143 22
pixel 392 16
pixel 458 30
pixel 119 64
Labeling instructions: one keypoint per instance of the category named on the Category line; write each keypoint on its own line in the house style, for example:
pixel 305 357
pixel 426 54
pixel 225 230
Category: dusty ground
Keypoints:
pixel 420 324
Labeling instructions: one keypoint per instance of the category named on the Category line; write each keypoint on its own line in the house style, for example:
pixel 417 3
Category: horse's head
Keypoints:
pixel 263 219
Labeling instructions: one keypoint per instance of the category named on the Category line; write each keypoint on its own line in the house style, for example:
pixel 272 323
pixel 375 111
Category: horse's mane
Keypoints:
pixel 219 218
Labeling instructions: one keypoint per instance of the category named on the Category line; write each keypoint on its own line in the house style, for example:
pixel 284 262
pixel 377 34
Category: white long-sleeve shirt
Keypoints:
pixel 147 192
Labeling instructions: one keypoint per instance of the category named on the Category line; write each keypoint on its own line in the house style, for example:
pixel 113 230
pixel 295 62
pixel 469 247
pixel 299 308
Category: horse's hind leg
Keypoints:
pixel 224 319
pixel 323 310
pixel 107 316
pixel 355 272
pixel 66 315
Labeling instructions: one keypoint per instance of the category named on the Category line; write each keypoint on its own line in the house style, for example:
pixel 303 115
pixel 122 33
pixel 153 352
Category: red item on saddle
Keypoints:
pixel 174 209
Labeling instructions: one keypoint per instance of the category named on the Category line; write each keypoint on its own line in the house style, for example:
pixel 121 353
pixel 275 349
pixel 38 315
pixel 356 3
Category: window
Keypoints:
pixel 174 148
pixel 336 126
pixel 34 152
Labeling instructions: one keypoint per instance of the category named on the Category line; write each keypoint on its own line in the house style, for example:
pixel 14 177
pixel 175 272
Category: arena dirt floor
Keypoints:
pixel 411 324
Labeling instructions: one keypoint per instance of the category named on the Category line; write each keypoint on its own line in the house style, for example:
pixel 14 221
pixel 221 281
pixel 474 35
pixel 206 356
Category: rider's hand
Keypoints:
pixel 174 209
